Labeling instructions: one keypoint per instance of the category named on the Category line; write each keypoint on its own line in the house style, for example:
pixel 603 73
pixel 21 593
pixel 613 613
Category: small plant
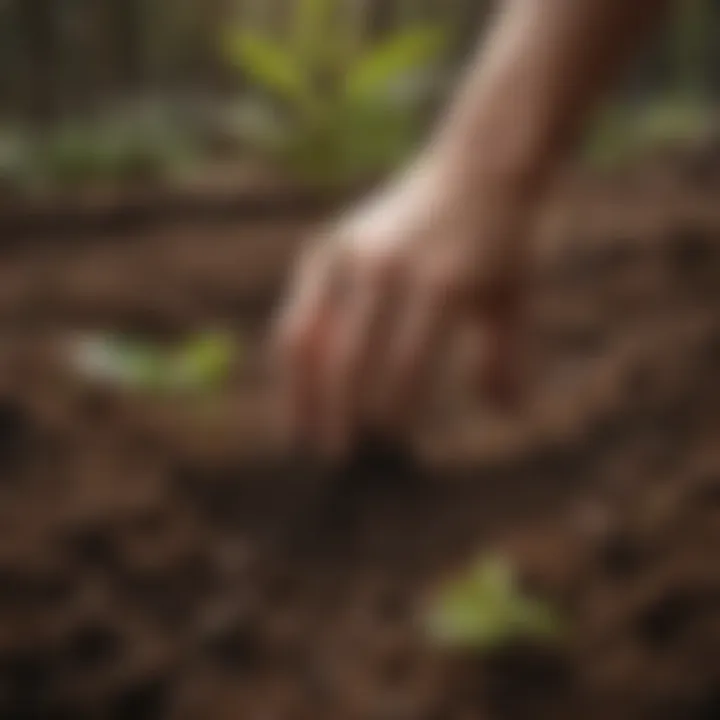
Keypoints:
pixel 201 364
pixel 111 151
pixel 122 148
pixel 327 108
pixel 485 610
pixel 15 154
pixel 625 133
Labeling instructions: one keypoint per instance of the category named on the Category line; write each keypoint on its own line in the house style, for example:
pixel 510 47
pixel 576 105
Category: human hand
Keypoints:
pixel 376 300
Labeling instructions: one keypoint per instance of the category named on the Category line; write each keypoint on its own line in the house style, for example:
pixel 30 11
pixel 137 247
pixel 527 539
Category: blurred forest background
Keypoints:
pixel 133 88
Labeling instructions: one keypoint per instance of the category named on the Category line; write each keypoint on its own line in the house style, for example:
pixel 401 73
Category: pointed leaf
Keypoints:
pixel 485 609
pixel 267 64
pixel 204 363
pixel 373 137
pixel 256 124
pixel 408 51
pixel 312 24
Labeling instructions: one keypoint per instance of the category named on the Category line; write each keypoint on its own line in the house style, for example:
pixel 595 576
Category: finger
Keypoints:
pixel 358 340
pixel 302 334
pixel 412 357
pixel 499 369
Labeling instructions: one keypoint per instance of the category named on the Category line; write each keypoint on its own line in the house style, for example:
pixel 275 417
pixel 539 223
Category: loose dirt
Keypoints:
pixel 161 559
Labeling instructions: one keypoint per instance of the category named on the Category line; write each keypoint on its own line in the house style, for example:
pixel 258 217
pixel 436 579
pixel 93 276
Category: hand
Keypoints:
pixel 375 301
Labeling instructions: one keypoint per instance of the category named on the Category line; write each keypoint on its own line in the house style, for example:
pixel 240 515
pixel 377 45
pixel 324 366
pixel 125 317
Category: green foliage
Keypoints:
pixel 312 21
pixel 333 111
pixel 692 39
pixel 485 610
pixel 114 151
pixel 268 64
pixel 80 153
pixel 15 154
pixel 200 365
pixel 623 133
pixel 373 75
pixel 204 362
pixel 684 111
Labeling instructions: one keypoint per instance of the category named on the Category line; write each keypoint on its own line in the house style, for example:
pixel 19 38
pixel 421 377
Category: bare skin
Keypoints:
pixel 442 248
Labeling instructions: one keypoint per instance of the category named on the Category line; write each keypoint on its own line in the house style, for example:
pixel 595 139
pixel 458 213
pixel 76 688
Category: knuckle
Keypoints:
pixel 292 340
pixel 321 249
pixel 442 282
pixel 381 267
pixel 312 261
pixel 310 249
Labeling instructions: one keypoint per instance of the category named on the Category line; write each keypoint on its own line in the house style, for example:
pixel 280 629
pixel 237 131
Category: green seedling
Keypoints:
pixel 203 362
pixel 111 152
pixel 324 105
pixel 624 133
pixel 201 365
pixel 119 149
pixel 485 610
pixel 15 158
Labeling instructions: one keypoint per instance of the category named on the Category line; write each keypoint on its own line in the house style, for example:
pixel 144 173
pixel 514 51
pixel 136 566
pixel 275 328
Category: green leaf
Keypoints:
pixel 255 123
pixel 268 65
pixel 204 362
pixel 622 134
pixel 106 358
pixel 485 609
pixel 312 25
pixel 325 39
pixel 374 137
pixel 17 156
pixel 414 48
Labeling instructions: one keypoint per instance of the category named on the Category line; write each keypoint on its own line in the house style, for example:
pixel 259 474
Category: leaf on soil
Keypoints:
pixel 201 364
pixel 485 609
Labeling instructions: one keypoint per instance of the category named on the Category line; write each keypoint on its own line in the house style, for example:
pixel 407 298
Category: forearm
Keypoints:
pixel 539 75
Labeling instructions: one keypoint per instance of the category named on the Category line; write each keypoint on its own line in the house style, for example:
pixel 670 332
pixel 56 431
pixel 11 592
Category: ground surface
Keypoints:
pixel 159 559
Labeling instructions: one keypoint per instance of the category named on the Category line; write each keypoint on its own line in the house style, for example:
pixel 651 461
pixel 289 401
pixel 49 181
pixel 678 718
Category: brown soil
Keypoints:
pixel 160 559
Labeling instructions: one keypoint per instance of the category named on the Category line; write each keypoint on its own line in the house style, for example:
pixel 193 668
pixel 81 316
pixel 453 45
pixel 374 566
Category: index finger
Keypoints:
pixel 300 336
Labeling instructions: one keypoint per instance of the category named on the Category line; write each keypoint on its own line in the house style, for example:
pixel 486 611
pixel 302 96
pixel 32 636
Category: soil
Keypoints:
pixel 160 558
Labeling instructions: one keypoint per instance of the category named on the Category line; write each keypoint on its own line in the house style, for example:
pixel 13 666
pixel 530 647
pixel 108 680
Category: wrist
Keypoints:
pixel 501 159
